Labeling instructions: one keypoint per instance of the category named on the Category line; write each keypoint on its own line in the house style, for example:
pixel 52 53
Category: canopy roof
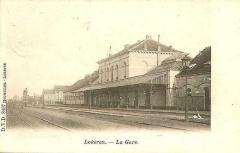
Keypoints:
pixel 142 79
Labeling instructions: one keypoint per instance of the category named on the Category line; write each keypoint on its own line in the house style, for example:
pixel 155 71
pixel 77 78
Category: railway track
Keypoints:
pixel 38 116
pixel 19 116
pixel 50 122
pixel 116 117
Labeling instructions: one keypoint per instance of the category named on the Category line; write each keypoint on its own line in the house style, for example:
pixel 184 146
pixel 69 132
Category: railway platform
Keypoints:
pixel 174 120
pixel 194 116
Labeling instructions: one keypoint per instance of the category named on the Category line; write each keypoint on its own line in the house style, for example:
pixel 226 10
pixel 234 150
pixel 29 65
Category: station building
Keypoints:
pixel 146 74
pixel 139 76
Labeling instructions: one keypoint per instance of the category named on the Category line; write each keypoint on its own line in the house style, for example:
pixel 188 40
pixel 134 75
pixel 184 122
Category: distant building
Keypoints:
pixel 49 97
pixel 54 96
pixel 35 100
pixel 198 80
pixel 59 93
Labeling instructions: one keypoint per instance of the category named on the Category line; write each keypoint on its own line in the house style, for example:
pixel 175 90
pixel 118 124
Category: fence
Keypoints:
pixel 194 103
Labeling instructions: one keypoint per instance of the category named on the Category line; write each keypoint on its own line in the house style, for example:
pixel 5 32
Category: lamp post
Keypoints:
pixel 185 62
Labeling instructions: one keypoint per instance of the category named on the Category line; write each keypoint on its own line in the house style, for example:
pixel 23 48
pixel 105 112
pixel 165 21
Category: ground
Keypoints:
pixel 74 119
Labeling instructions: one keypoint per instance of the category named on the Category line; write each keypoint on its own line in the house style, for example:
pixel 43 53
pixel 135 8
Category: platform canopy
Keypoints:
pixel 143 79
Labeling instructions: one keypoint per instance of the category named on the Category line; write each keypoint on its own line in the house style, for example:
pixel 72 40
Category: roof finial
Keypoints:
pixel 109 51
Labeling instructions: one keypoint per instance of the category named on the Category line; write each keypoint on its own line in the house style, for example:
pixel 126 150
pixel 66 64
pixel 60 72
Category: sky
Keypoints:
pixel 47 43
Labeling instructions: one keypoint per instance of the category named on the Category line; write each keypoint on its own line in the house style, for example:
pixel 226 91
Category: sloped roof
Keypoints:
pixel 152 45
pixel 144 45
pixel 203 57
pixel 174 66
pixel 176 57
pixel 83 82
pixel 200 64
pixel 173 63
pixel 201 69
pixel 76 85
pixel 142 79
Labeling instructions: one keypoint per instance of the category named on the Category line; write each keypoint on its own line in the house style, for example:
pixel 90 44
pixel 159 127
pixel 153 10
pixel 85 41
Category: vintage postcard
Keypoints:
pixel 88 75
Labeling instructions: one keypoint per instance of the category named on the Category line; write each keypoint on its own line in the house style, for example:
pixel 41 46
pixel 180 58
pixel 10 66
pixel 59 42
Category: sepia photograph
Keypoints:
pixel 103 67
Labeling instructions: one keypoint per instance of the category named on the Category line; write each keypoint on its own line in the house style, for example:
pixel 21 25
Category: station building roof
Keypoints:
pixel 147 44
pixel 173 63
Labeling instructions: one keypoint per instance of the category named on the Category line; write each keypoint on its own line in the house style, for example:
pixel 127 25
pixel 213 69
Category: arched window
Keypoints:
pixel 111 73
pixel 107 77
pixel 104 74
pixel 116 72
pixel 101 76
pixel 125 70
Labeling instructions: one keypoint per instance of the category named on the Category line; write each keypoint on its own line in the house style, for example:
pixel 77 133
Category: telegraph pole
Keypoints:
pixel 186 100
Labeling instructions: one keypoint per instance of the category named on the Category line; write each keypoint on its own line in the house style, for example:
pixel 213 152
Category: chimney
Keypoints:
pixel 145 43
pixel 159 47
pixel 148 37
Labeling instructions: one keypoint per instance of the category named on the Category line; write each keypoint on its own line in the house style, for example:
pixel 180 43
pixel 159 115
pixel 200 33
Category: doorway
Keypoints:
pixel 207 98
pixel 136 99
pixel 147 98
